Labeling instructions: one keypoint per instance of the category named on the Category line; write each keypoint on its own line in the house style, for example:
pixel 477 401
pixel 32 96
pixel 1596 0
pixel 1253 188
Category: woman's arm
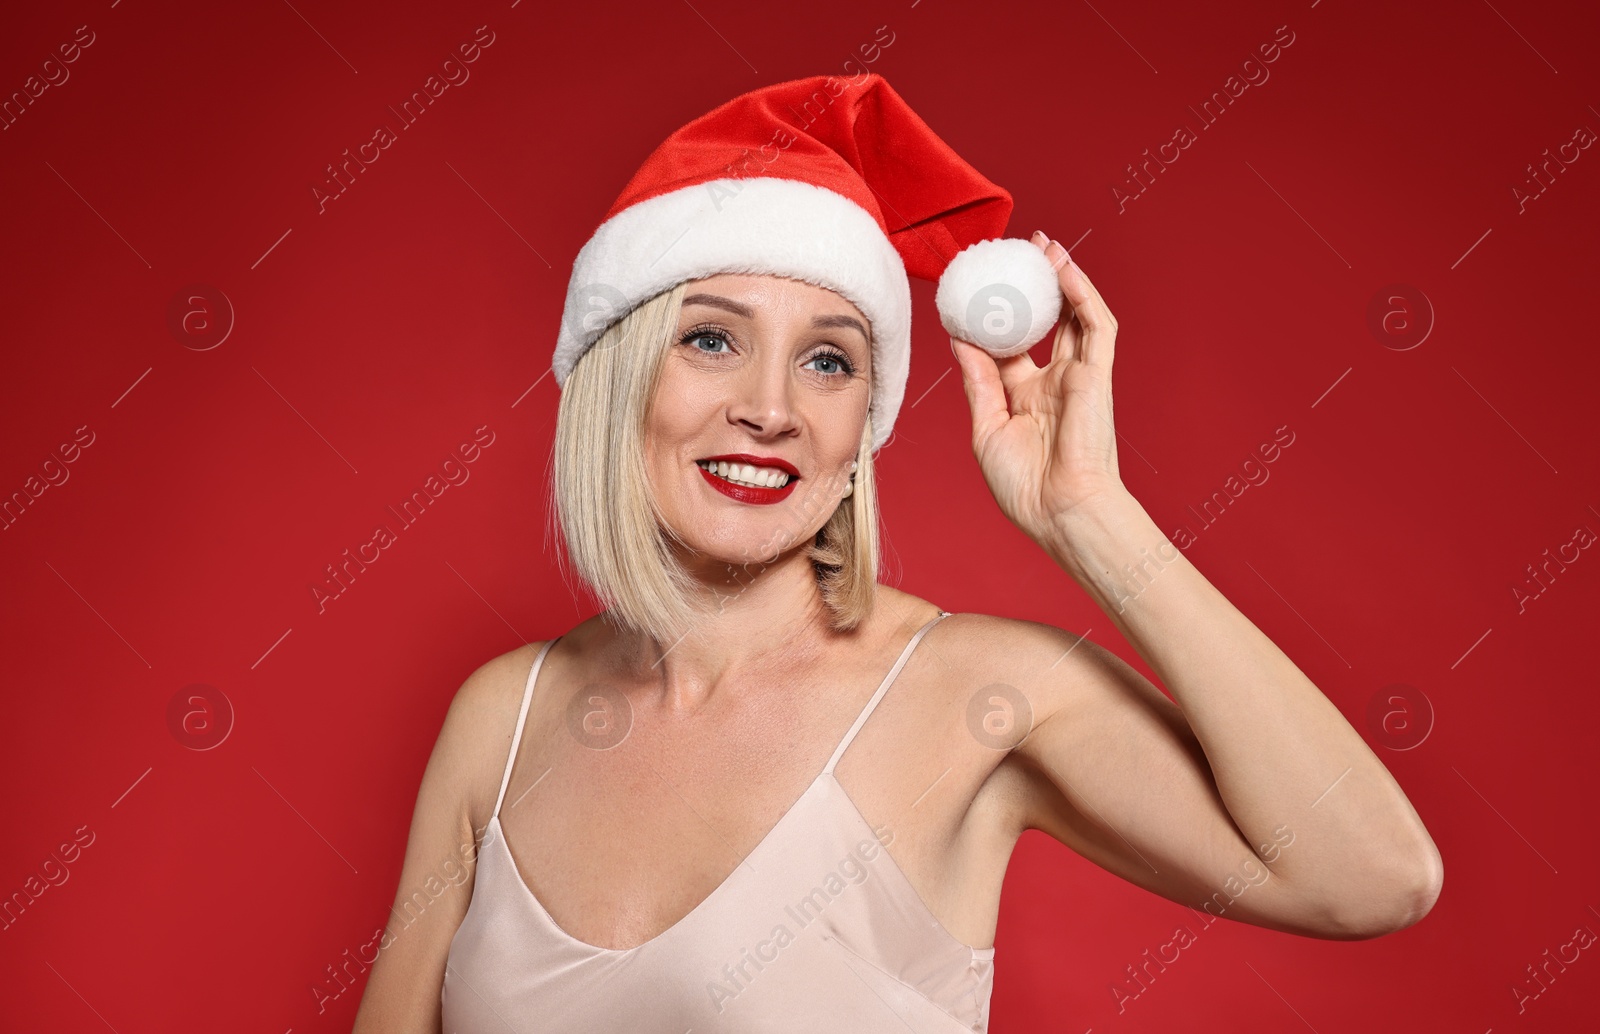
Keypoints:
pixel 1253 757
pixel 436 879
pixel 1252 798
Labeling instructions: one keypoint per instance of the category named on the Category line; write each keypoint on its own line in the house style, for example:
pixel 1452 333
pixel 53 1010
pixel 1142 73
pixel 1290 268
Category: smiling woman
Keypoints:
pixel 665 791
pixel 736 355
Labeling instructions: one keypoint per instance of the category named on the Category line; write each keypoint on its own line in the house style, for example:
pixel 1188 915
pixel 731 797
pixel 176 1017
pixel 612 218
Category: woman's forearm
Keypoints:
pixel 1279 751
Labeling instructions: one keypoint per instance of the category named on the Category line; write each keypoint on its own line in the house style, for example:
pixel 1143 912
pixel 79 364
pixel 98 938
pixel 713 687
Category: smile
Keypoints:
pixel 749 482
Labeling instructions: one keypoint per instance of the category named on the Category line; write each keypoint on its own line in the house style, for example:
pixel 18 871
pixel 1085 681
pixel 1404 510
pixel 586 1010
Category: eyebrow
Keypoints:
pixel 718 302
pixel 841 321
pixel 728 304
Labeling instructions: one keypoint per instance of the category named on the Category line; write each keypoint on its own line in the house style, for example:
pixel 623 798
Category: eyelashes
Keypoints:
pixel 830 352
pixel 846 367
pixel 704 330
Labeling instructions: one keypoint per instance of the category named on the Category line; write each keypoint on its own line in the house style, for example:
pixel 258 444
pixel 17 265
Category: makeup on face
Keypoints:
pixel 750 479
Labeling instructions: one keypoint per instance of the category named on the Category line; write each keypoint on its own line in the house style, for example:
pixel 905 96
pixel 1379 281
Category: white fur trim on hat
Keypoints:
pixel 763 225
pixel 1000 295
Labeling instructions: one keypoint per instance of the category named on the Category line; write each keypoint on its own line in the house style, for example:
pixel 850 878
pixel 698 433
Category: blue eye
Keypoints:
pixel 840 361
pixel 694 336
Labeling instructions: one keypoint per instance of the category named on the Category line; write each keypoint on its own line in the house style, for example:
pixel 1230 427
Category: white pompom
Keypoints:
pixel 999 294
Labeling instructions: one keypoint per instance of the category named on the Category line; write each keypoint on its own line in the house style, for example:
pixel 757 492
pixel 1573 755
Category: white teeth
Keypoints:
pixel 745 474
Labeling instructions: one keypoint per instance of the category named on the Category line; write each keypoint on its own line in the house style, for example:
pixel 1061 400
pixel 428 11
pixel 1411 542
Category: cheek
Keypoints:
pixel 661 454
pixel 685 410
pixel 670 433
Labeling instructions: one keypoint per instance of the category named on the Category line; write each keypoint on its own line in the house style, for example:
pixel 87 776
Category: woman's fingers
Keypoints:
pixel 1014 370
pixel 1067 333
pixel 986 393
pixel 1096 340
pixel 1065 344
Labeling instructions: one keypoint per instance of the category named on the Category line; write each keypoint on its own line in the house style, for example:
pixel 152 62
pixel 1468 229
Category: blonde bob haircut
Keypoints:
pixel 614 533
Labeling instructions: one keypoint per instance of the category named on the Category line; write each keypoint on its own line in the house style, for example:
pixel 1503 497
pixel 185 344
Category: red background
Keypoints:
pixel 423 304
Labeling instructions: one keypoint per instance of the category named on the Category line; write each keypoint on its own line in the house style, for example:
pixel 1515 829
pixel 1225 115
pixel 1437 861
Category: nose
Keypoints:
pixel 763 400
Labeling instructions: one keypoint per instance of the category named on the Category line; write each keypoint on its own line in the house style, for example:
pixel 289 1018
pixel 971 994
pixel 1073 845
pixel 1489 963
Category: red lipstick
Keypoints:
pixel 750 493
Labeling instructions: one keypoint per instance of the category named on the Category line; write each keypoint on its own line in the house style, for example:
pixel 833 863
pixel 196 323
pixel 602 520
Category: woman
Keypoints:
pixel 761 791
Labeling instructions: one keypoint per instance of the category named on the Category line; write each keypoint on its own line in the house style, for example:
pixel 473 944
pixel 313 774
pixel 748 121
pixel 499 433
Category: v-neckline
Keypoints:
pixel 827 773
pixel 706 902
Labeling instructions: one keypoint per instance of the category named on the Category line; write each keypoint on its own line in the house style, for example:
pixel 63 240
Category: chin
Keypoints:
pixel 720 541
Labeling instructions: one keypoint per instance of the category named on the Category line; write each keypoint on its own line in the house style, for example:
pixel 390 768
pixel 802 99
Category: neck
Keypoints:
pixel 758 619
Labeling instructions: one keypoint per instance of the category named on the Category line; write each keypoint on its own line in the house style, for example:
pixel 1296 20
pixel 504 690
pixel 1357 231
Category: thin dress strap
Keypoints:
pixel 888 680
pixel 516 738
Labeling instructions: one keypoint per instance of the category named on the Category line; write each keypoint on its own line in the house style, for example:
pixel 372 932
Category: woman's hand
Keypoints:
pixel 1043 436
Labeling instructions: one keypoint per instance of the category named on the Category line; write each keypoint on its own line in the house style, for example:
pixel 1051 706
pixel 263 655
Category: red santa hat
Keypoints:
pixel 834 182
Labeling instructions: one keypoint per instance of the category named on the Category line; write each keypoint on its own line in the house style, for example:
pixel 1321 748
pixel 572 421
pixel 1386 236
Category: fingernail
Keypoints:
pixel 1063 248
pixel 1038 235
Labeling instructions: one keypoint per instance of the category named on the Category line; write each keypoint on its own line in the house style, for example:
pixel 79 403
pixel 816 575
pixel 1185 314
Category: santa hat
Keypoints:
pixel 835 182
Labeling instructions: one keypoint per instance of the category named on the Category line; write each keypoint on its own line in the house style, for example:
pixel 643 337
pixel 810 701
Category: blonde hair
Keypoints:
pixel 612 528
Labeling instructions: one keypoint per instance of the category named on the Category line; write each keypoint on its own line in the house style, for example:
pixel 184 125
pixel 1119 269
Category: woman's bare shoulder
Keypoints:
pixel 1043 663
pixel 490 698
pixel 986 641
pixel 476 736
pixel 990 638
pixel 986 682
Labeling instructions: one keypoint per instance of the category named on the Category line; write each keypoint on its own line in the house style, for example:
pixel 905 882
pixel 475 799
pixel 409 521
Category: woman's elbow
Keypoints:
pixel 1428 878
pixel 1397 897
